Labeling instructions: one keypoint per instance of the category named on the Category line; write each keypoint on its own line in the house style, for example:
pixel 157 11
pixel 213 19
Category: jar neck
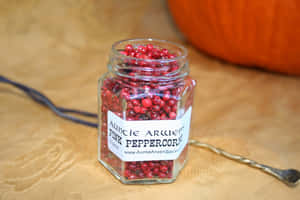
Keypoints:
pixel 150 70
pixel 163 70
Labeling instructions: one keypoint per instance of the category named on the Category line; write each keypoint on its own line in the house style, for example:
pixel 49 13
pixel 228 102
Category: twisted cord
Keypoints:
pixel 252 163
pixel 45 101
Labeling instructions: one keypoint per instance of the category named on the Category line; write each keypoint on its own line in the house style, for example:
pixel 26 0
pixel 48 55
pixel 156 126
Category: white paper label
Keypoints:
pixel 149 139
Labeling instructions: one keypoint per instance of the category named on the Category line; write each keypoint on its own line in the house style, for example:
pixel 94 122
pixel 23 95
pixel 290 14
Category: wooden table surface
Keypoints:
pixel 61 48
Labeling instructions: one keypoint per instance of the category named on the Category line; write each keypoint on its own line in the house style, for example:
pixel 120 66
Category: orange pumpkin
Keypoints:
pixel 261 33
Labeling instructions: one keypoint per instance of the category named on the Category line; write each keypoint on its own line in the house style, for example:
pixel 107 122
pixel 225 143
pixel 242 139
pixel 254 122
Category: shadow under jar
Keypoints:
pixel 145 102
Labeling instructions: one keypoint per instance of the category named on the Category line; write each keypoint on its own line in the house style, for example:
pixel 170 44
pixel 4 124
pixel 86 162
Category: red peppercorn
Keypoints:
pixel 132 176
pixel 156 164
pixel 134 84
pixel 151 165
pixel 156 100
pixel 135 102
pixel 149 174
pixel 129 105
pixel 166 96
pixel 171 102
pixel 170 56
pixel 137 109
pixel 162 104
pixel 132 54
pixel 155 171
pixel 128 48
pixel 131 113
pixel 174 108
pixel 108 96
pixel 141 175
pixel 139 55
pixel 163 168
pixel 156 108
pixel 156 53
pixel 144 165
pixel 125 95
pixel 174 68
pixel 167 109
pixel 172 115
pixel 127 173
pixel 142 49
pixel 150 56
pixel 165 52
pixel 147 103
pixel 163 116
pixel 162 175
pixel 154 115
pixel 143 110
pixel 149 47
pixel 125 53
pixel 132 166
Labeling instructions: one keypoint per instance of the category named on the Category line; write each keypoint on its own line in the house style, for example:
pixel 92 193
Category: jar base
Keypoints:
pixel 147 181
pixel 135 182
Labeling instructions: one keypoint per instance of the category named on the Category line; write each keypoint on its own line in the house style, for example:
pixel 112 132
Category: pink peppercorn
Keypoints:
pixel 163 168
pixel 147 103
pixel 129 48
pixel 172 115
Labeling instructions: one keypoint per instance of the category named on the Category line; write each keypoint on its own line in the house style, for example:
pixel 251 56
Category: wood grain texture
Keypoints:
pixel 61 48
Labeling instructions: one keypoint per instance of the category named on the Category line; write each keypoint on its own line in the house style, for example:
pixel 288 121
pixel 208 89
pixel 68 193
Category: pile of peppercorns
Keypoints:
pixel 145 100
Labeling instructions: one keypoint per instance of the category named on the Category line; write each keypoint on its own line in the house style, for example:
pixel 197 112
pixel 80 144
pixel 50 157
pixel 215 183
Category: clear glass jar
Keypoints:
pixel 144 111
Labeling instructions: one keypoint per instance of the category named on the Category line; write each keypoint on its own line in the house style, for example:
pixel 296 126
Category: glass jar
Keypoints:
pixel 145 102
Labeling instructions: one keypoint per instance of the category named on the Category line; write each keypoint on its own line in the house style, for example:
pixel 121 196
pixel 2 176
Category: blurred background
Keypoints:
pixel 244 56
pixel 72 39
